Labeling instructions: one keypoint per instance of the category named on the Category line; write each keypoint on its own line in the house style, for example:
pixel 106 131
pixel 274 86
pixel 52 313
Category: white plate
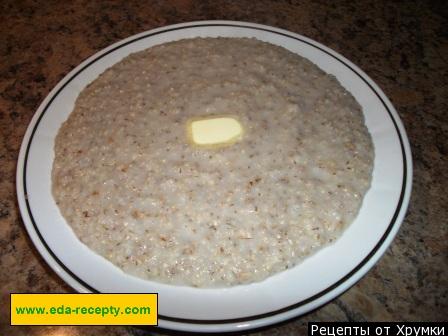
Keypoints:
pixel 294 292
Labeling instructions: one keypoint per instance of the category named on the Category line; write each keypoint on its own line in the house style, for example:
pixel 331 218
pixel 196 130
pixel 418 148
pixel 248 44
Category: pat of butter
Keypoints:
pixel 215 131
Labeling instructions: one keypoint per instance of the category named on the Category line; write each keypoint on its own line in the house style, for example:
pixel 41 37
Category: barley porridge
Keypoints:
pixel 135 191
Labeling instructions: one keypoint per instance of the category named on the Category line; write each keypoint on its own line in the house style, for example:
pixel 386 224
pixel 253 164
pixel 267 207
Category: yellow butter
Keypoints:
pixel 211 131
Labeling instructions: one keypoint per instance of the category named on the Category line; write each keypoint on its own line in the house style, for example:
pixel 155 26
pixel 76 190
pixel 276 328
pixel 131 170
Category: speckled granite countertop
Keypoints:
pixel 402 45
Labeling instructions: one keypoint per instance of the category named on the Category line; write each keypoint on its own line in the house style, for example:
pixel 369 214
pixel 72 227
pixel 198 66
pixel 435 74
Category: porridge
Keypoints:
pixel 137 192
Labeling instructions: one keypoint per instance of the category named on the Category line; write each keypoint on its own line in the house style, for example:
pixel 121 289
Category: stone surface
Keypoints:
pixel 402 45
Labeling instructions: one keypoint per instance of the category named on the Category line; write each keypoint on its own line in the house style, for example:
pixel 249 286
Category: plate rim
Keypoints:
pixel 337 287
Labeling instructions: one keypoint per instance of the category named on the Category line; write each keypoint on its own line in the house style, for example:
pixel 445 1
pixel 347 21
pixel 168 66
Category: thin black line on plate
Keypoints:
pixel 246 318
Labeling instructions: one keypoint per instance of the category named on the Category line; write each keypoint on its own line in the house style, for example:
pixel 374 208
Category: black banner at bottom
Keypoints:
pixel 377 328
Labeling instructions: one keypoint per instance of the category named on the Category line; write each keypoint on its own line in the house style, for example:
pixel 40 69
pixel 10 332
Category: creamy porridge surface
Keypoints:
pixel 135 191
